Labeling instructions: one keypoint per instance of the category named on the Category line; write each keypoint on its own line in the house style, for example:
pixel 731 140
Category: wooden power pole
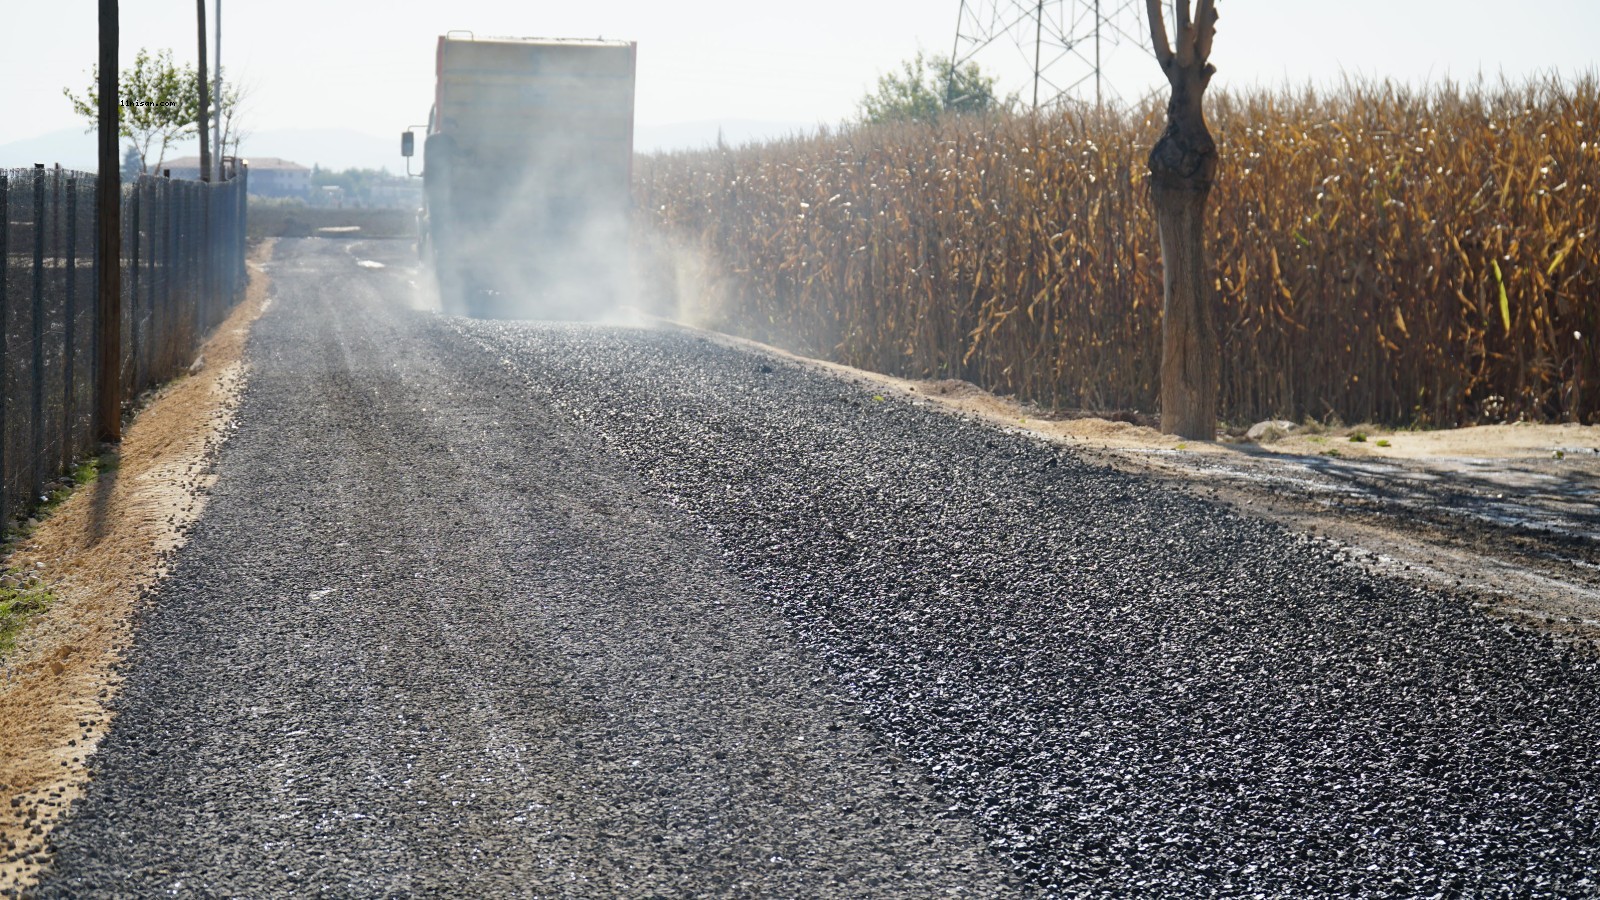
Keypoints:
pixel 205 97
pixel 216 85
pixel 108 239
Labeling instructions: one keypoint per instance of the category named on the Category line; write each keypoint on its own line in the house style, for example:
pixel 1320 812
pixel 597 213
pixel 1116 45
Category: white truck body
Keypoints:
pixel 527 171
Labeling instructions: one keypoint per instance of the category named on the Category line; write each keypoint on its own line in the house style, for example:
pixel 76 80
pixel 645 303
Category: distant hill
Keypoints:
pixel 330 148
pixel 70 147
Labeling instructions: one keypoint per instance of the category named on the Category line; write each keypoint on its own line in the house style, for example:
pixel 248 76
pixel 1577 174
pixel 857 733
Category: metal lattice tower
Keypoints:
pixel 1063 42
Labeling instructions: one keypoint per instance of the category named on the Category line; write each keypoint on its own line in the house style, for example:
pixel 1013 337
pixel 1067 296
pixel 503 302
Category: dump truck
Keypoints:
pixel 526 169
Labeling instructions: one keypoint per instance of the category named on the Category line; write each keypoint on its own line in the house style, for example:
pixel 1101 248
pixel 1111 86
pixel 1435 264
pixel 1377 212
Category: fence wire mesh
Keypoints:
pixel 183 249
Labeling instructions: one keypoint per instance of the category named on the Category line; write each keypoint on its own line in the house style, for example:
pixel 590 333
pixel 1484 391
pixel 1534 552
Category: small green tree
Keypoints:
pixel 160 104
pixel 926 88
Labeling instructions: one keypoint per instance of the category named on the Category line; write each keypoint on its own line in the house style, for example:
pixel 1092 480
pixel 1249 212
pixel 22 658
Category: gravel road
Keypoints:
pixel 486 608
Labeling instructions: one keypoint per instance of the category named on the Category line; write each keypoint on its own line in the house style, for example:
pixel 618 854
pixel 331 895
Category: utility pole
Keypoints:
pixel 205 95
pixel 216 63
pixel 108 239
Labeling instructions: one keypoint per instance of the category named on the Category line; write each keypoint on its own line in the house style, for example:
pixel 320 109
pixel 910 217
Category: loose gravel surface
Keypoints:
pixel 431 639
pixel 561 610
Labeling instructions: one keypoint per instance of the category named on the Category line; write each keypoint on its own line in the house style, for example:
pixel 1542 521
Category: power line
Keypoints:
pixel 1064 43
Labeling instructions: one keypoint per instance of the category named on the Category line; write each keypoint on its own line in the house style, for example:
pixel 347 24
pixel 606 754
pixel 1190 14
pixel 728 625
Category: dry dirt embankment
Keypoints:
pixel 102 548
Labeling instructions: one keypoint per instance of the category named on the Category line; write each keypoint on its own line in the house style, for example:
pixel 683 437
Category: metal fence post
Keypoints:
pixel 59 458
pixel 237 240
pixel 37 445
pixel 180 310
pixel 162 309
pixel 174 280
pixel 158 300
pixel 160 242
pixel 197 238
pixel 161 304
pixel 241 201
pixel 241 240
pixel 209 258
pixel 135 226
pixel 206 250
pixel 156 224
pixel 244 221
pixel 136 325
pixel 70 339
pixel 95 309
pixel 5 342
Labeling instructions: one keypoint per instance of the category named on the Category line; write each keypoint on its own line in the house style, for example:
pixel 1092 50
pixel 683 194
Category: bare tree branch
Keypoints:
pixel 1206 22
pixel 1158 33
pixel 1185 48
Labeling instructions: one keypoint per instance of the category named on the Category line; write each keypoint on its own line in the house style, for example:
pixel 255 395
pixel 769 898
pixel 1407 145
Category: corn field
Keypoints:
pixel 1379 254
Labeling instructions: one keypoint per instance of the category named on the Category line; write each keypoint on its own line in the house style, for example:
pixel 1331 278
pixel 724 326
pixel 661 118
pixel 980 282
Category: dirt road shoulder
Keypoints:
pixel 98 553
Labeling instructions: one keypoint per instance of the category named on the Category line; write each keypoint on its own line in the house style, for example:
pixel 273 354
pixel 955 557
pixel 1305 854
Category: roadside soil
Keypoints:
pixel 1507 514
pixel 100 551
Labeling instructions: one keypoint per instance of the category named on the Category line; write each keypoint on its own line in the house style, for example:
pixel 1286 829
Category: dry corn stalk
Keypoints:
pixel 1381 254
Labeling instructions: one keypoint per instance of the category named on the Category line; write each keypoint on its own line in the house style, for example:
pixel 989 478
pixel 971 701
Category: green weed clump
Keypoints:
pixel 1378 254
pixel 21 598
pixel 22 594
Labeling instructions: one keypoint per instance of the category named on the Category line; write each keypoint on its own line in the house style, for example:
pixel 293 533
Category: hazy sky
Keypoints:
pixel 369 66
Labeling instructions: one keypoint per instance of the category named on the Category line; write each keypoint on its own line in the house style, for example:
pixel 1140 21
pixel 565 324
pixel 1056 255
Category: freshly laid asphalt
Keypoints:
pixel 515 609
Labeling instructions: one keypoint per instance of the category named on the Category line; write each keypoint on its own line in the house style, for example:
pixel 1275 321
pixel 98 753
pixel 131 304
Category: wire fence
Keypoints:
pixel 183 247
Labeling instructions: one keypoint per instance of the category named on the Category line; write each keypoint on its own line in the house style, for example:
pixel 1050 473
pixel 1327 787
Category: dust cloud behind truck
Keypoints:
pixel 527 166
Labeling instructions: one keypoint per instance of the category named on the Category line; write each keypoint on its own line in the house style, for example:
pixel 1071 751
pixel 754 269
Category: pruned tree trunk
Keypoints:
pixel 1183 166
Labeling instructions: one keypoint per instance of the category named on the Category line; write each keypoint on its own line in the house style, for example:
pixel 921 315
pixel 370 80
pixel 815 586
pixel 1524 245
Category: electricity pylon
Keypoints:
pixel 1062 41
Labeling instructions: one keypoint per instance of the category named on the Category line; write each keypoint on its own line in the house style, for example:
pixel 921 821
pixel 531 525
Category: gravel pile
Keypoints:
pixel 1134 691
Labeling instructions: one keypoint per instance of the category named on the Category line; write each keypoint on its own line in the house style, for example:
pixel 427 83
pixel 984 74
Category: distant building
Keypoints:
pixel 274 177
pixel 185 167
pixel 269 175
pixel 399 192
